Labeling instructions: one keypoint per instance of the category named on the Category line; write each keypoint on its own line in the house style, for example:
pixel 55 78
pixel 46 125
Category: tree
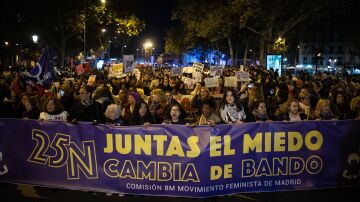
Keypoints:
pixel 221 24
pixel 68 19
pixel 272 19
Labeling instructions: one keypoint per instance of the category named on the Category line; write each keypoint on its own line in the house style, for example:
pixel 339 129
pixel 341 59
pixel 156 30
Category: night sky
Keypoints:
pixel 157 17
pixel 156 14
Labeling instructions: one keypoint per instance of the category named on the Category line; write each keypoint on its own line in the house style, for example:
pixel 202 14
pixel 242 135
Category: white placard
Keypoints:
pixel 230 81
pixel 216 71
pixel 176 71
pixel 197 76
pixel 242 76
pixel 211 82
pixel 199 67
pixel 129 64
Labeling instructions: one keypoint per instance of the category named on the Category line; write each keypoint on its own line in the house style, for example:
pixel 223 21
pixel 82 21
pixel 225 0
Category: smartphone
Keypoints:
pixel 250 85
pixel 61 92
pixel 272 92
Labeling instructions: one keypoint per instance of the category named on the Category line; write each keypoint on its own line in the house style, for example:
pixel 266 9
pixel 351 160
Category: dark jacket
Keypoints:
pixel 87 113
pixel 285 116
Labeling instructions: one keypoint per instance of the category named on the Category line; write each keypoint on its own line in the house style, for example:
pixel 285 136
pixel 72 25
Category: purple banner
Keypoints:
pixel 169 160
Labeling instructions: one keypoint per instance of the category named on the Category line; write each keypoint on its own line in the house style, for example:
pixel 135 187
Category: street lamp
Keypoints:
pixel 109 50
pixel 137 55
pixel 318 58
pixel 35 38
pixel 122 50
pixel 146 45
pixel 253 60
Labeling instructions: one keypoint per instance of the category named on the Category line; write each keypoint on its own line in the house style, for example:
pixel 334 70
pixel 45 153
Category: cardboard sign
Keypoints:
pixel 176 71
pixel 197 76
pixel 188 70
pixel 242 76
pixel 211 82
pixel 230 81
pixel 216 71
pixel 198 67
pixel 189 83
pixel 116 70
pixel 129 63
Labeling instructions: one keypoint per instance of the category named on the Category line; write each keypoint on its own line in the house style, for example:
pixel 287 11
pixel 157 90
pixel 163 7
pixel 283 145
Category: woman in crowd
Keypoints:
pixel 232 110
pixel 130 109
pixel 323 110
pixel 202 95
pixel 53 110
pixel 143 116
pixel 304 104
pixel 157 102
pixel 176 114
pixel 112 115
pixel 260 113
pixel 67 95
pixel 340 105
pixel 208 117
pixel 355 108
pixel 293 112
pixel 31 111
pixel 169 102
pixel 254 95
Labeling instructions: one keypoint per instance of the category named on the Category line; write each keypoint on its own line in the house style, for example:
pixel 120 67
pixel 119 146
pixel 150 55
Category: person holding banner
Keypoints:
pixel 208 117
pixel 86 109
pixel 293 112
pixel 176 114
pixel 144 116
pixel 112 115
pixel 202 95
pixel 323 110
pixel 53 110
pixel 31 111
pixel 157 102
pixel 231 110
pixel 130 109
pixel 260 112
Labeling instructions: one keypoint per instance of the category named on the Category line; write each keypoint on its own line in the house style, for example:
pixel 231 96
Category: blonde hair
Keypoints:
pixel 154 84
pixel 160 94
pixel 319 106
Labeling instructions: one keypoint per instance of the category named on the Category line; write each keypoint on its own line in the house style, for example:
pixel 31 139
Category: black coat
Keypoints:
pixel 87 113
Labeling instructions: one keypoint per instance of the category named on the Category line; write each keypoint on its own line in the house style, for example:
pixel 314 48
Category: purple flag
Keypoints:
pixel 41 74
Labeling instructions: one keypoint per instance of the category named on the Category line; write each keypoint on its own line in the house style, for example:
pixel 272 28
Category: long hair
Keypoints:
pixel 182 111
pixel 58 106
pixel 319 106
pixel 237 102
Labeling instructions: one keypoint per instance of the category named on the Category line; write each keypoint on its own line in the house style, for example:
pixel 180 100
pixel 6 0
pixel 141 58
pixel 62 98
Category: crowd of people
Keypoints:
pixel 158 97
